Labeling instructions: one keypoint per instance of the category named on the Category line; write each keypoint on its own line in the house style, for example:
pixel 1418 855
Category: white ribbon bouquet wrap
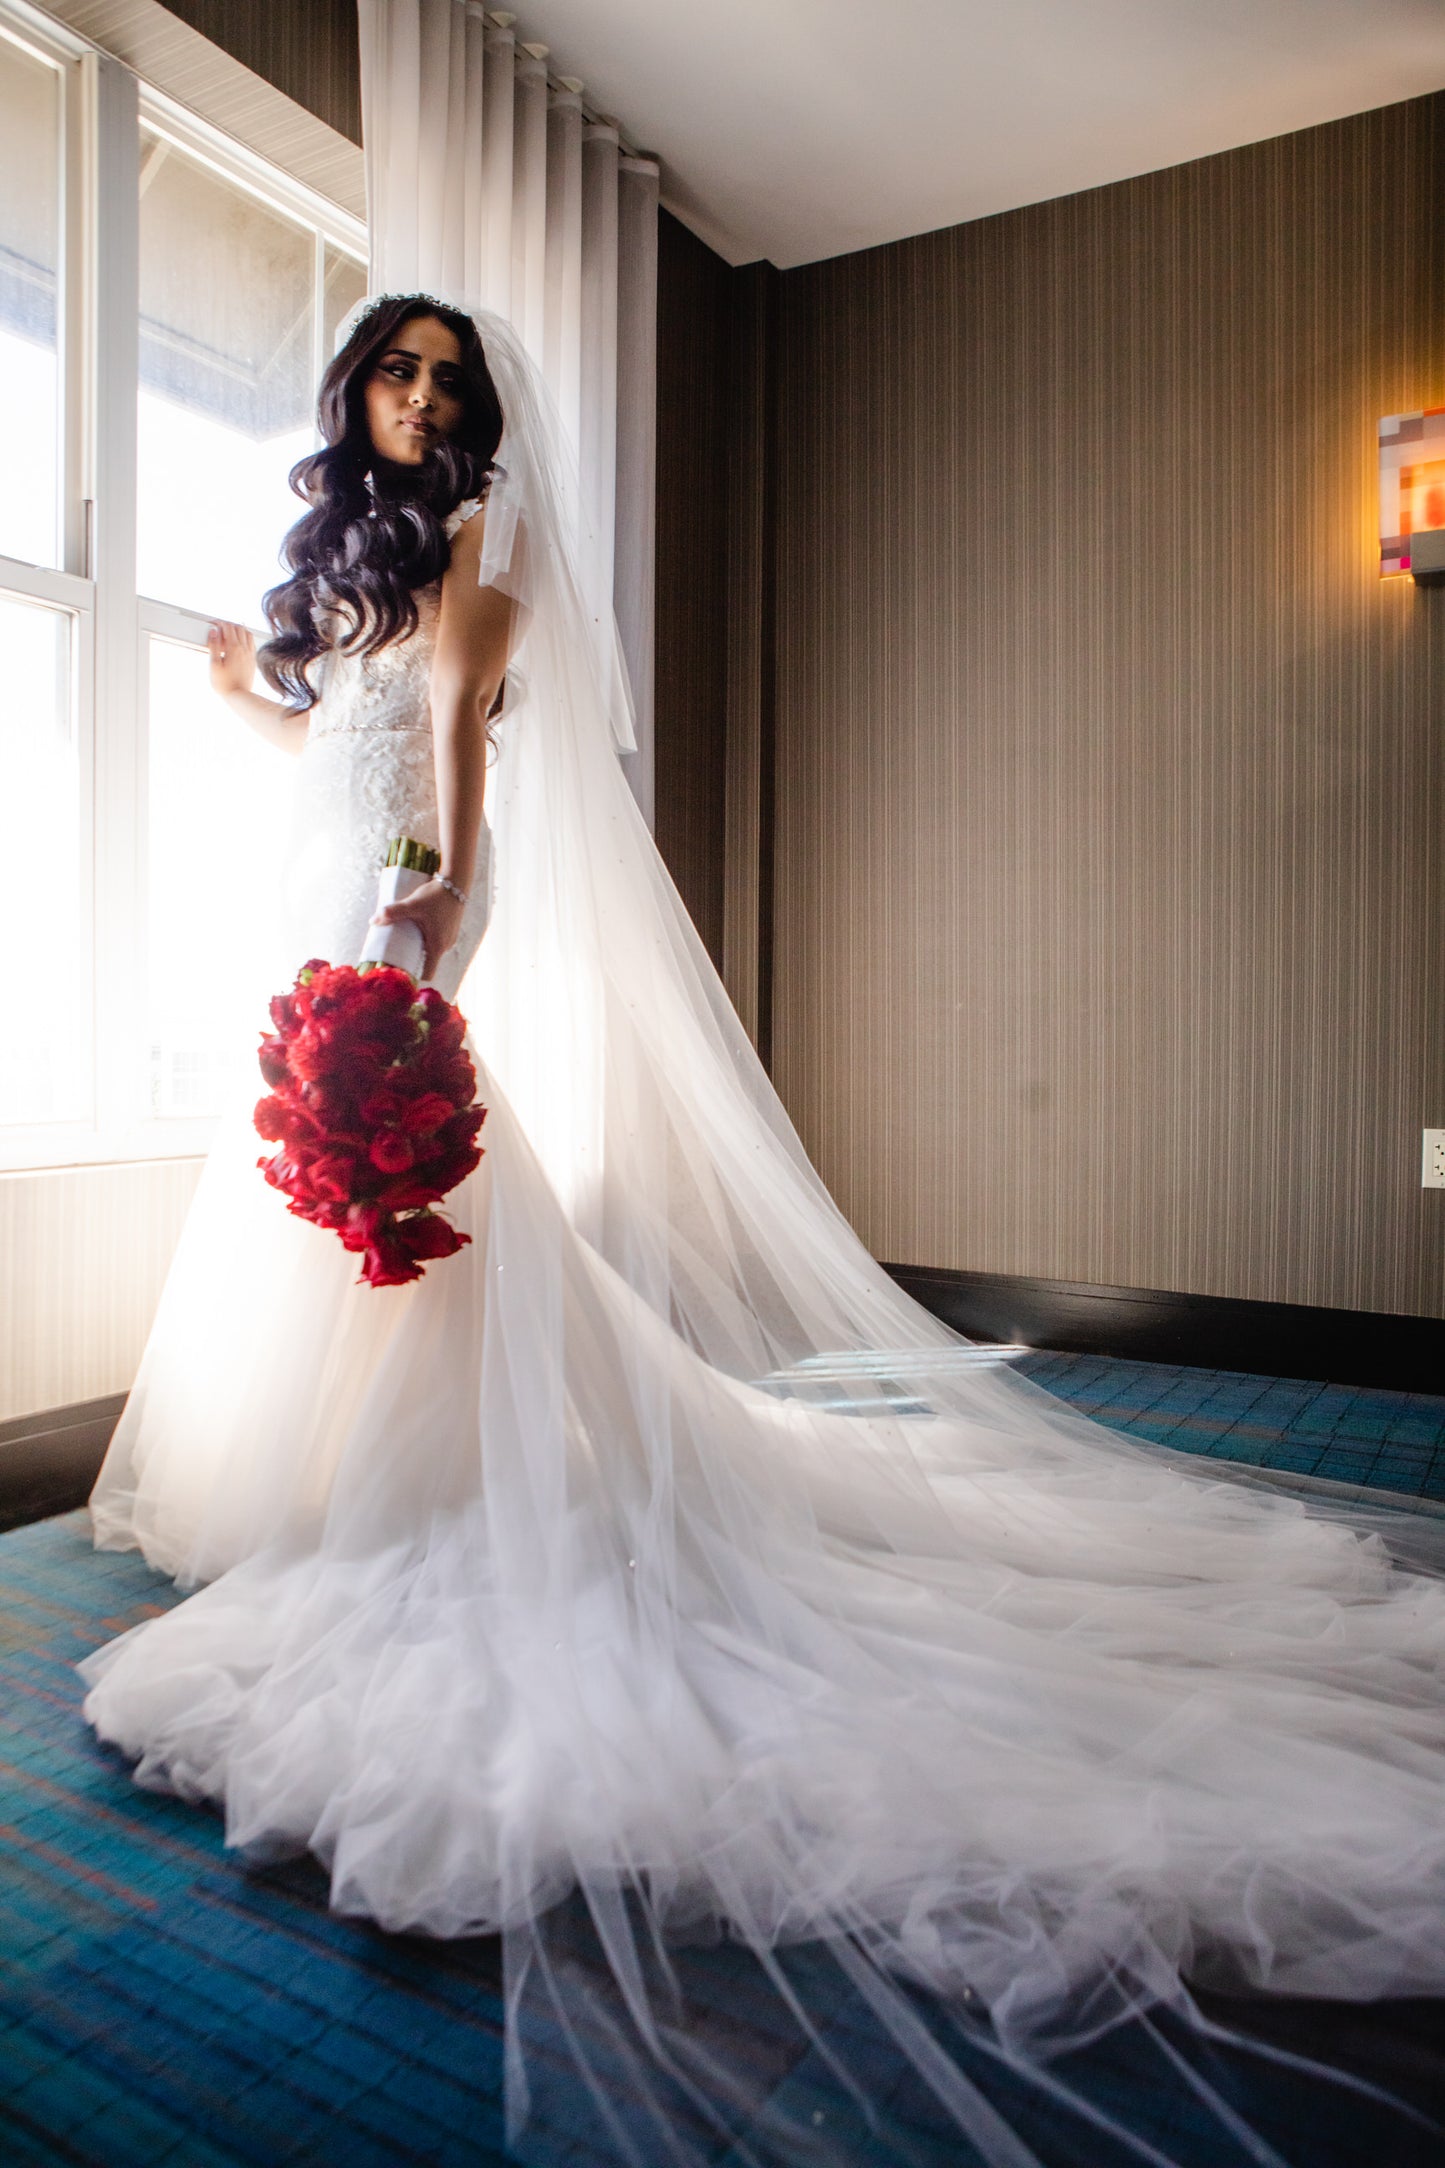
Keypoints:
pixel 409 866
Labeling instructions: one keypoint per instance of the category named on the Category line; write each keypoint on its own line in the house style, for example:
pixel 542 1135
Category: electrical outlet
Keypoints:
pixel 1432 1174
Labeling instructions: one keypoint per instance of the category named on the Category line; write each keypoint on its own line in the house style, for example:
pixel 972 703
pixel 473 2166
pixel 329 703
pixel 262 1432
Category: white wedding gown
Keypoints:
pixel 608 1557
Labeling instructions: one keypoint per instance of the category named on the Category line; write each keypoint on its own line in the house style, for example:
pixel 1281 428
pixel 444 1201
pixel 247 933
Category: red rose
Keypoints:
pixel 361 1224
pixel 272 1057
pixel 308 1054
pixel 328 982
pixel 390 1152
pixel 427 1234
pixel 461 1128
pixel 324 1104
pixel 281 1170
pixel 388 1264
pixel 285 1118
pixel 388 988
pixel 446 1033
pixel 426 1113
pixel 404 1192
pixel 453 1077
pixel 383 1106
pixel 446 1027
pixel 329 1176
pixel 272 1117
pixel 448 1038
pixel 445 1171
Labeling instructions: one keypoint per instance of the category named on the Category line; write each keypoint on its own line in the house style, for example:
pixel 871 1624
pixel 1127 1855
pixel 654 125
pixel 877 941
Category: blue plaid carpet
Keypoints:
pixel 162 2002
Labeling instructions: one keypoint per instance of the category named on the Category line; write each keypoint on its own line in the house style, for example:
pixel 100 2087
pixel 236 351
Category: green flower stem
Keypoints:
pixel 413 857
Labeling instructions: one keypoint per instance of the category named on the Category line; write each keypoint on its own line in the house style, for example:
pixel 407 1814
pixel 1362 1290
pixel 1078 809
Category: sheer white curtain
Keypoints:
pixel 487 182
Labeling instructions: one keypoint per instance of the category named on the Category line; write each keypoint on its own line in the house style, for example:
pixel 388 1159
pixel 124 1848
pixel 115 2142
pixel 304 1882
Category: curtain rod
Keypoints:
pixel 503 19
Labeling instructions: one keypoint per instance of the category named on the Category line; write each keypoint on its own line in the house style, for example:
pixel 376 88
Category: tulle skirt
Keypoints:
pixel 1015 1708
pixel 657 1549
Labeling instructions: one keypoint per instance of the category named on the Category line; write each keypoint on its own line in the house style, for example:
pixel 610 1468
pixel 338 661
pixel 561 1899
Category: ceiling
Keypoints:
pixel 806 128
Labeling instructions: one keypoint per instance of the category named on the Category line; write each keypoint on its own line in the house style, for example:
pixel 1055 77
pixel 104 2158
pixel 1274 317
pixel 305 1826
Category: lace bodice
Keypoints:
pixel 387 691
pixel 367 775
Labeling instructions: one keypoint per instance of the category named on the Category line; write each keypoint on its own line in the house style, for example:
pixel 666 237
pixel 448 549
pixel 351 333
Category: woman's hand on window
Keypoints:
pixel 232 649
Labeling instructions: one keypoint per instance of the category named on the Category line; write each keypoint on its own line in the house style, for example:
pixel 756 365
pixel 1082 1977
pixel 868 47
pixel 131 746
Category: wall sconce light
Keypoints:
pixel 1412 495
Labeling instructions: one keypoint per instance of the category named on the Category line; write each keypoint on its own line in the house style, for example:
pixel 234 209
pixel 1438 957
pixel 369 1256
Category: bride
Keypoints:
pixel 656 1551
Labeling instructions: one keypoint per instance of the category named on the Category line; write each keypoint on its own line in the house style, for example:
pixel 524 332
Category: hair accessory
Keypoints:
pixel 367 306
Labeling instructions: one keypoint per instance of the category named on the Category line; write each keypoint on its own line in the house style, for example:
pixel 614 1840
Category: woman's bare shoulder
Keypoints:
pixel 467 528
pixel 465 524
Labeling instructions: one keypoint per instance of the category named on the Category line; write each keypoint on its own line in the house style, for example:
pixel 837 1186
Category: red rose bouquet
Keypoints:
pixel 371 1102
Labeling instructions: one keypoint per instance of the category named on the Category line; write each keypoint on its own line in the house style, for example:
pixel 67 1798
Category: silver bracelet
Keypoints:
pixel 452 890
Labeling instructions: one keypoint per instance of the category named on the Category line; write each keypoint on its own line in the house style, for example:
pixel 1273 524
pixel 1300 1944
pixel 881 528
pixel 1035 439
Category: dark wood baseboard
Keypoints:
pixel 49 1462
pixel 1206 1332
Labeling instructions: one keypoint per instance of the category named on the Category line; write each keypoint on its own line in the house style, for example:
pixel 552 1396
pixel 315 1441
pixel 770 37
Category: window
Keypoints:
pixel 31 90
pixel 234 301
pixel 46 617
pixel 167 301
pixel 226 383
pixel 43 1074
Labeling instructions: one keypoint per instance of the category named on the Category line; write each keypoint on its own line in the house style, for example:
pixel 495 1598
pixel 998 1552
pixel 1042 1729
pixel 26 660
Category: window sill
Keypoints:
pixel 59 1148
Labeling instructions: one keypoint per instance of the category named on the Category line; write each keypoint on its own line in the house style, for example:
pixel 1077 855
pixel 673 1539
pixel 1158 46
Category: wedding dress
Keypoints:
pixel 658 1548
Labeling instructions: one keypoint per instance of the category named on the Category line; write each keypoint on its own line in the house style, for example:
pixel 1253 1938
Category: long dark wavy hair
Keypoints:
pixel 375 531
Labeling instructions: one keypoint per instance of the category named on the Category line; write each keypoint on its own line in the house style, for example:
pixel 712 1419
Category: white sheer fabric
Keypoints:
pixel 633 587
pixel 563 368
pixel 658 1548
pixel 481 180
pixel 529 206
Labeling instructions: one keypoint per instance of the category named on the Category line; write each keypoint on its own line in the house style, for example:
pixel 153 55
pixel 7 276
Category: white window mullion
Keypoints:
pixel 319 355
pixel 77 322
pixel 78 204
pixel 83 724
pixel 114 285
pixel 45 627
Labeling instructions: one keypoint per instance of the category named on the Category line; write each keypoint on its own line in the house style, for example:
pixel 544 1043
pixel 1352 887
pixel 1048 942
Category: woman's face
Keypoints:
pixel 414 391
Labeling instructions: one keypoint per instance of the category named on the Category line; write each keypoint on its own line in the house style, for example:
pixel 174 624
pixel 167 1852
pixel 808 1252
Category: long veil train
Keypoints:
pixel 661 1555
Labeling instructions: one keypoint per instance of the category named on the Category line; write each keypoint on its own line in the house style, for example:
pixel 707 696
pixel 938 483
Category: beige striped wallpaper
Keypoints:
pixel 286 116
pixel 694 567
pixel 312 52
pixel 1109 935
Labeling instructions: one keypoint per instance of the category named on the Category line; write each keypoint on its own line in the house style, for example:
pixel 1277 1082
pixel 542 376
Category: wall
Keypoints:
pixel 1037 749
pixel 1109 780
pixel 694 399
pixel 83 1257
pixel 311 52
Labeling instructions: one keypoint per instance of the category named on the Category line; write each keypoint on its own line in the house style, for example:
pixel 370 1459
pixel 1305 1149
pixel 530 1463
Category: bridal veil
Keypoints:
pixel 657 1572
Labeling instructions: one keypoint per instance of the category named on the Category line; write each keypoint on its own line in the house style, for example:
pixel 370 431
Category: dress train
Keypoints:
pixel 657 1548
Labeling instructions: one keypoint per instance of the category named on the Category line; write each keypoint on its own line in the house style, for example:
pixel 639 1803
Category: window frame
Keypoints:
pixel 104 106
